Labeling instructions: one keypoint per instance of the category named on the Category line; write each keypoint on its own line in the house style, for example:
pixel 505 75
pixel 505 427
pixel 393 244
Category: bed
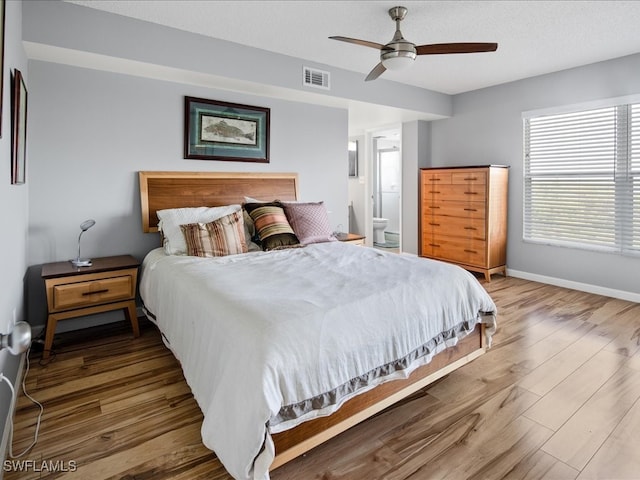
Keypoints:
pixel 285 349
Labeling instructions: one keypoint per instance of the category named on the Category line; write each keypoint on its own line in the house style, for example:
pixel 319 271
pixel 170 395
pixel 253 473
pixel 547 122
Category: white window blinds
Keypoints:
pixel 582 179
pixel 632 237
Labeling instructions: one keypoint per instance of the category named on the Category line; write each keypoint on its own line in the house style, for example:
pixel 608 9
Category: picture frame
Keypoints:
pixel 215 130
pixel 2 15
pixel 353 158
pixel 19 129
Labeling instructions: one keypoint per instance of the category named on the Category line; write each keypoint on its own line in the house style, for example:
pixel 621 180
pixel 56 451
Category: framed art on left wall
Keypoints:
pixel 2 9
pixel 18 129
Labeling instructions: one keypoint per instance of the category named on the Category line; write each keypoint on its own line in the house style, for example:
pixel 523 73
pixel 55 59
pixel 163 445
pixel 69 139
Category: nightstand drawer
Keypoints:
pixel 94 292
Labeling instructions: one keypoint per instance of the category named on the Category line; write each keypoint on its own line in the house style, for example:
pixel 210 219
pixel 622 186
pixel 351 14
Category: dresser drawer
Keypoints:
pixel 461 250
pixel 435 177
pixel 93 292
pixel 471 176
pixel 473 192
pixel 455 227
pixel 453 209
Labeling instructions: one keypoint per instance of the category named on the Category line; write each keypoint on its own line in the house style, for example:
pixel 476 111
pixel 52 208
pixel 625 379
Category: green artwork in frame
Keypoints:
pixel 226 131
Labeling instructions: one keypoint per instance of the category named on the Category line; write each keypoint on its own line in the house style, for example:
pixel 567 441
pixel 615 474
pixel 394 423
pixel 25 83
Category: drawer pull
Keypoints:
pixel 434 179
pixel 434 191
pixel 470 228
pixel 470 193
pixel 433 206
pixel 471 179
pixel 434 224
pixel 470 209
pixel 434 245
pixel 470 251
pixel 104 290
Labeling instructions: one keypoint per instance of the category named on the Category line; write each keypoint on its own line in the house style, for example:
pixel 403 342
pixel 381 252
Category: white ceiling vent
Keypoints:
pixel 313 77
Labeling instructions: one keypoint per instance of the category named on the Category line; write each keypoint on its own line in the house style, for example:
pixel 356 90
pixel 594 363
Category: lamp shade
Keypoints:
pixel 397 63
pixel 18 340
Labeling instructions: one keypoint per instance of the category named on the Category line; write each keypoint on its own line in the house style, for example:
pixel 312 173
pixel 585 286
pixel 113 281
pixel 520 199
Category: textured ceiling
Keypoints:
pixel 534 37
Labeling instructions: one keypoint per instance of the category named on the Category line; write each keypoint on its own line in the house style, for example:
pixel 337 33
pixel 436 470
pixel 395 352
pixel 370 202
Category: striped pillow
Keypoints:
pixel 272 226
pixel 224 236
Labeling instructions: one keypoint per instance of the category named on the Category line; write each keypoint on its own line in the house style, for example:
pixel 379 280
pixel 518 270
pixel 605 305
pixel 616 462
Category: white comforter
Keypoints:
pixel 300 328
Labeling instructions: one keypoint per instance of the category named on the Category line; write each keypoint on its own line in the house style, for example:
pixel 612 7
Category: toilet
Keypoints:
pixel 379 224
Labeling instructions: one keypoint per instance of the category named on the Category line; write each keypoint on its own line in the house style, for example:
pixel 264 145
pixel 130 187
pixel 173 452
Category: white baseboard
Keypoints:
pixel 4 444
pixel 583 287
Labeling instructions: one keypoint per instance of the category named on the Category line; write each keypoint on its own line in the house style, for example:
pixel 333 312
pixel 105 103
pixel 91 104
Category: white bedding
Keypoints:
pixel 300 329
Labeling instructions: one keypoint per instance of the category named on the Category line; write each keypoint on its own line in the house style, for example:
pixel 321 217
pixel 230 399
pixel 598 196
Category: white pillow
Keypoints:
pixel 253 200
pixel 172 218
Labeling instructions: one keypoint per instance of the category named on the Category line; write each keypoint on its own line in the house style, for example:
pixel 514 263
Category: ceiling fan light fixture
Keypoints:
pixel 397 60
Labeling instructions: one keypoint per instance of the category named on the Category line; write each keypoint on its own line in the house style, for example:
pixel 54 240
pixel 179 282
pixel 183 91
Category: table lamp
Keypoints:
pixel 83 262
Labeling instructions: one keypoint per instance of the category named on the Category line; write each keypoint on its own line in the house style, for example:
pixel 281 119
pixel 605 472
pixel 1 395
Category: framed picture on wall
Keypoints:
pixel 2 9
pixel 353 159
pixel 18 129
pixel 216 130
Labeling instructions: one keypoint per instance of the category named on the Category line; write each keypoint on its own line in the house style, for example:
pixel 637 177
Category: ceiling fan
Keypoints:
pixel 400 53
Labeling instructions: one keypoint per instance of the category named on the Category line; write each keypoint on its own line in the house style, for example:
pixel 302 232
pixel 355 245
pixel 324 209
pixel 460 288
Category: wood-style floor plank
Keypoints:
pixel 585 432
pixel 619 456
pixel 556 407
pixel 557 397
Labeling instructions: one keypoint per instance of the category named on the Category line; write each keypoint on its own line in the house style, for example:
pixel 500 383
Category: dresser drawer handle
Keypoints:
pixel 470 209
pixel 104 290
pixel 434 245
pixel 434 224
pixel 433 191
pixel 470 228
pixel 470 251
pixel 471 179
pixel 433 206
pixel 470 193
pixel 435 179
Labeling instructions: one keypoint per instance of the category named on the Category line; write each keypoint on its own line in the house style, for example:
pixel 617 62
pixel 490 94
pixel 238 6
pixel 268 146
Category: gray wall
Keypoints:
pixel 416 154
pixel 13 208
pixel 487 128
pixel 91 131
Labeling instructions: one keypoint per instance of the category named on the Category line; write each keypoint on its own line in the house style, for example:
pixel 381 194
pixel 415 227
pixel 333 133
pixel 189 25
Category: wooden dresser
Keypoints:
pixel 463 216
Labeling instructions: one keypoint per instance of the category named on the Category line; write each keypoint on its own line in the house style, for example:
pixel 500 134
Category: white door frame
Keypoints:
pixel 368 180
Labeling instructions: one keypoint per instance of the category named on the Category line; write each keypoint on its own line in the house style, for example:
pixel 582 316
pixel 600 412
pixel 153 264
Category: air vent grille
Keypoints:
pixel 312 77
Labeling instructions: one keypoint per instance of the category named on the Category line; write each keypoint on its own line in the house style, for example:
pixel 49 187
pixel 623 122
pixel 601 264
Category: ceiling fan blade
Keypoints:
pixel 446 48
pixel 364 43
pixel 376 72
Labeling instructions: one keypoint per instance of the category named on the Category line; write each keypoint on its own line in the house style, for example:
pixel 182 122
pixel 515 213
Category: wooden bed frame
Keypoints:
pixel 160 190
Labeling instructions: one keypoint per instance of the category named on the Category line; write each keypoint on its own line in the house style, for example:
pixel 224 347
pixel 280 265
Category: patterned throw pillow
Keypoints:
pixel 310 222
pixel 172 218
pixel 221 237
pixel 272 226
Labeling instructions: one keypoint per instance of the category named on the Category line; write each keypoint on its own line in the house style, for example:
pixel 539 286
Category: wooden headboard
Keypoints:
pixel 160 190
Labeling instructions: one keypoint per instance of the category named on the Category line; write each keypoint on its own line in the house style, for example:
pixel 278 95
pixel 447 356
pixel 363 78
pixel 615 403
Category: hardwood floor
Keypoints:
pixel 557 397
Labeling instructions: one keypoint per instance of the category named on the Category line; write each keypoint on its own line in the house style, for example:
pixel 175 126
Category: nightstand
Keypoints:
pixel 109 284
pixel 354 238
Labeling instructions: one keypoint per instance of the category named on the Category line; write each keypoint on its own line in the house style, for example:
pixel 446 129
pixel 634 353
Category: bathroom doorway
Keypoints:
pixel 387 189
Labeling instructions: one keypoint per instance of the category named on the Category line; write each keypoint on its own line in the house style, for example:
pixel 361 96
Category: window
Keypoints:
pixel 582 179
